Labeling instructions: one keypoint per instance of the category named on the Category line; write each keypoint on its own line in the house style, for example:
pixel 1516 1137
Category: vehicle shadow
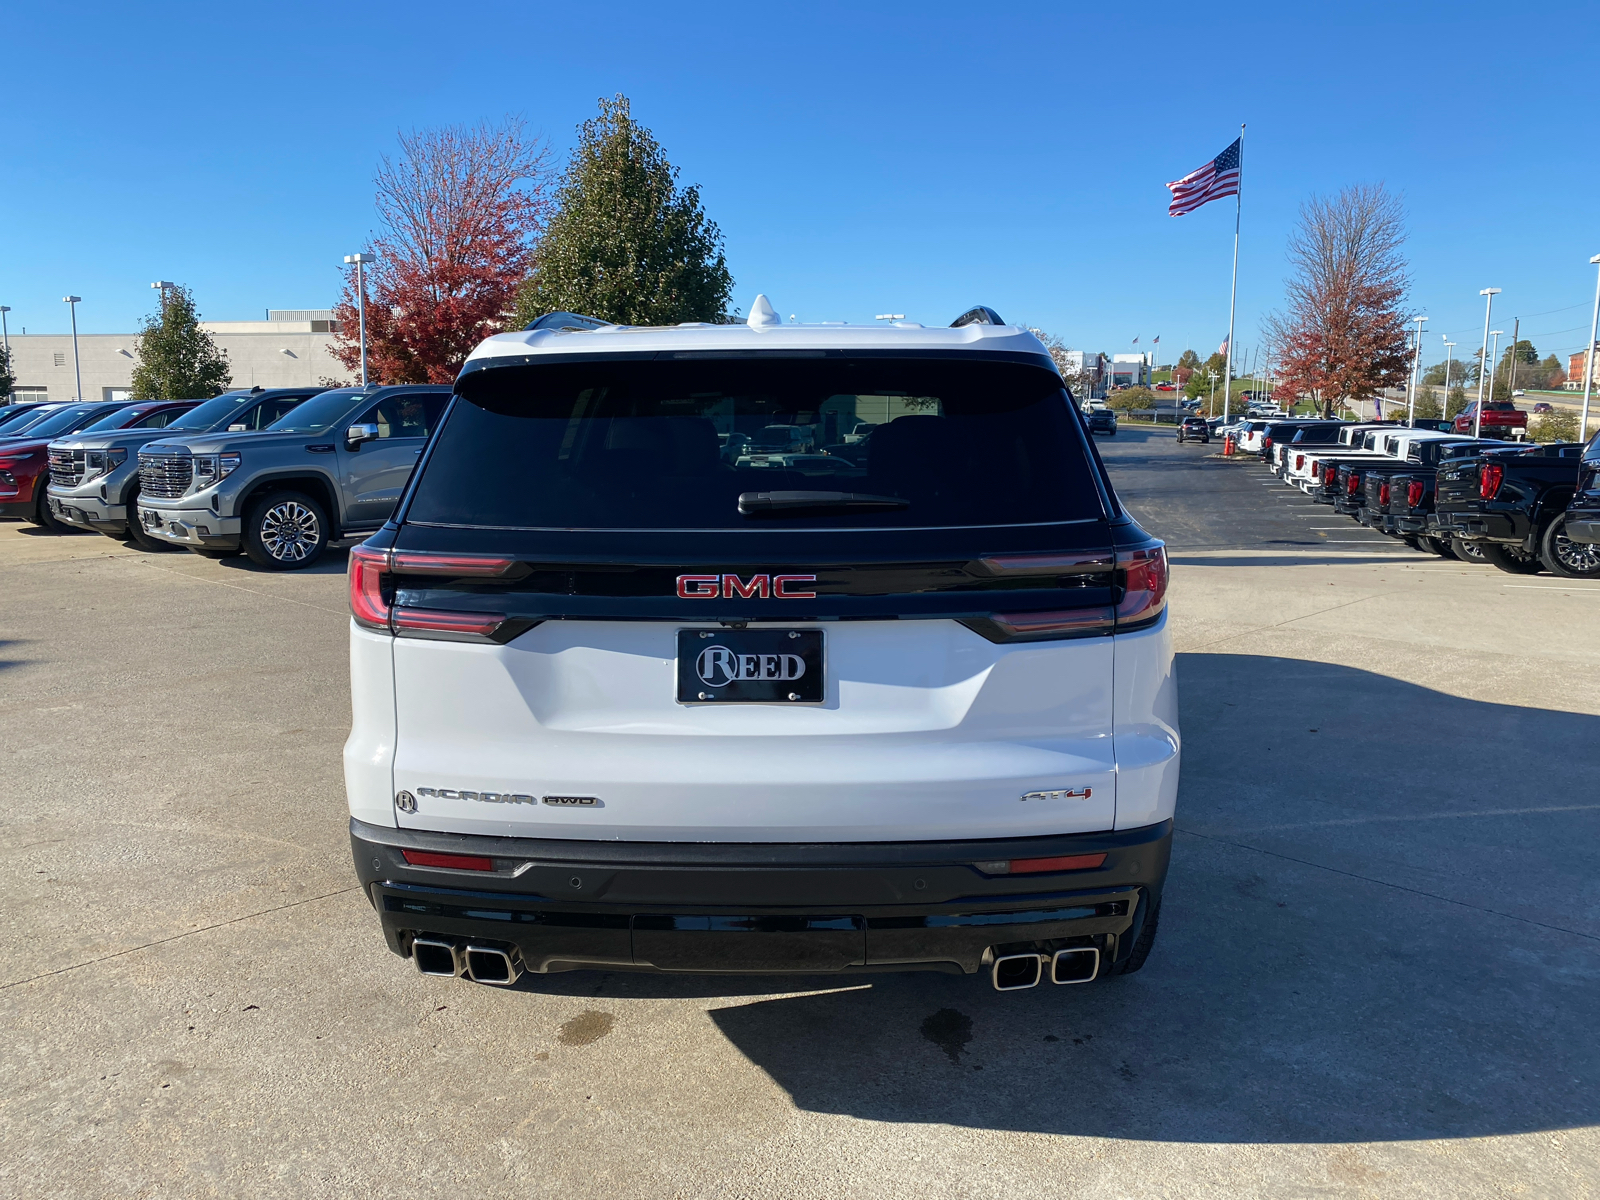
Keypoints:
pixel 1340 959
pixel 335 560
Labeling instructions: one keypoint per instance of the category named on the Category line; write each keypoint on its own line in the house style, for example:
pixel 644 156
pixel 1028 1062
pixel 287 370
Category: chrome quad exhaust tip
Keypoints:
pixel 1080 964
pixel 437 957
pixel 1017 972
pixel 493 965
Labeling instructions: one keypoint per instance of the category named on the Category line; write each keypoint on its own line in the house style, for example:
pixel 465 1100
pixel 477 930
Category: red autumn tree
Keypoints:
pixel 1342 334
pixel 461 209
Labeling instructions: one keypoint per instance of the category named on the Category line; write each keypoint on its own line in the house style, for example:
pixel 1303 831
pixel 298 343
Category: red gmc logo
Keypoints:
pixel 775 587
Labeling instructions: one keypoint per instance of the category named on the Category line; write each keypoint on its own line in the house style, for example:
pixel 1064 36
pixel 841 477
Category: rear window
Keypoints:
pixel 649 444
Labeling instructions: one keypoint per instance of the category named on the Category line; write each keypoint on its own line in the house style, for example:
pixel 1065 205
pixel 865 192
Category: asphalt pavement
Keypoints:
pixel 1376 972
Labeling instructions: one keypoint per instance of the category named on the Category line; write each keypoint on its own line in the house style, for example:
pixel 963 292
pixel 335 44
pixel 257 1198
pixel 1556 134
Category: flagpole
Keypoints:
pixel 1233 290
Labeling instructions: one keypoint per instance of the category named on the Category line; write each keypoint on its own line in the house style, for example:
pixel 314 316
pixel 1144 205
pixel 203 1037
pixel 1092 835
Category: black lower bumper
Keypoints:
pixel 763 908
pixel 1584 528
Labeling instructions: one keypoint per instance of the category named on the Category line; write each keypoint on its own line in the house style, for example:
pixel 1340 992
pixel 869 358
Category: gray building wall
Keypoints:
pixel 276 353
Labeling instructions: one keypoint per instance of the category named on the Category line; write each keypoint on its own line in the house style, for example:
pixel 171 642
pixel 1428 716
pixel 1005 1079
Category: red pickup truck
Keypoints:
pixel 1500 419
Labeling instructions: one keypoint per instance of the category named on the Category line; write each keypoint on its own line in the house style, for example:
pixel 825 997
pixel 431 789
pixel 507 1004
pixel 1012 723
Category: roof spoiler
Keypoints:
pixel 566 322
pixel 981 315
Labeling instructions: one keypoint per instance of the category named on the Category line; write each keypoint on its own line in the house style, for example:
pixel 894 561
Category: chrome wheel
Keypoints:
pixel 1582 558
pixel 290 531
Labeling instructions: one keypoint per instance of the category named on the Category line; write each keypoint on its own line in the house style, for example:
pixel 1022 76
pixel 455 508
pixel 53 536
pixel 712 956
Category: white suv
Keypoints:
pixel 623 701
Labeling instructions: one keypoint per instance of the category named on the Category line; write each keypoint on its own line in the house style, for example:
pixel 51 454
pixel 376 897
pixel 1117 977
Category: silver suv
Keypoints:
pixel 331 468
pixel 94 476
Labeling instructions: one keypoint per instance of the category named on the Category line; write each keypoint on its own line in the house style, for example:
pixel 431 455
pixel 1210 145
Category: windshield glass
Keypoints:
pixel 317 414
pixel 63 420
pixel 675 445
pixel 117 418
pixel 203 417
pixel 18 421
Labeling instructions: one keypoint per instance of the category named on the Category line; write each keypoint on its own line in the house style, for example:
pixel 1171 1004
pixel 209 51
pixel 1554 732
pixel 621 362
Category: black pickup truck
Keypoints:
pixel 1409 514
pixel 1512 504
pixel 1361 492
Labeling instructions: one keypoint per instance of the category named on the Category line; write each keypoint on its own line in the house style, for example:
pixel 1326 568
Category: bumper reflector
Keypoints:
pixel 457 862
pixel 1030 866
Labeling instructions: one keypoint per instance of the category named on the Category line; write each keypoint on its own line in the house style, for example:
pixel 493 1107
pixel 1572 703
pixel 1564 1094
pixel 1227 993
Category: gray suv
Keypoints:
pixel 331 468
pixel 94 476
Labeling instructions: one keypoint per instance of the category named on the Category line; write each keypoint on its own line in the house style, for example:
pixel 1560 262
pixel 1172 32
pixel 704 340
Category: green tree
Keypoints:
pixel 1428 404
pixel 1456 402
pixel 177 360
pixel 627 244
pixel 8 381
pixel 1188 361
pixel 1130 398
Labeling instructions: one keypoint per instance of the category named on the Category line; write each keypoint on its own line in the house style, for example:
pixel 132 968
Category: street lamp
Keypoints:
pixel 1477 419
pixel 163 285
pixel 5 339
pixel 73 302
pixel 1588 358
pixel 361 260
pixel 1416 370
pixel 1448 347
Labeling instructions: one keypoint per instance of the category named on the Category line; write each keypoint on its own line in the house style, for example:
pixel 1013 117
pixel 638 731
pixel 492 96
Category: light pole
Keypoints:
pixel 1516 334
pixel 361 260
pixel 73 302
pixel 5 339
pixel 1494 356
pixel 1448 347
pixel 1416 374
pixel 1477 418
pixel 1588 358
pixel 163 285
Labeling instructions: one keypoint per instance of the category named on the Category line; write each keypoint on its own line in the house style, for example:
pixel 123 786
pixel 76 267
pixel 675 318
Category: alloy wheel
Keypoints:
pixel 1581 557
pixel 289 531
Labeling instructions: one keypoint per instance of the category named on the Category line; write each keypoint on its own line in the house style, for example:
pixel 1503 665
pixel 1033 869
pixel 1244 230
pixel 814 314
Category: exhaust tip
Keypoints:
pixel 1077 965
pixel 1015 972
pixel 493 965
pixel 434 956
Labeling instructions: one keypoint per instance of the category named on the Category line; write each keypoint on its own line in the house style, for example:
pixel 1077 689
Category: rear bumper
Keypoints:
pixel 762 908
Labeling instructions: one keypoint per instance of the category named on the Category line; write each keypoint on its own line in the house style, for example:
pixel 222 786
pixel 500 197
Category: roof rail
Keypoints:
pixel 566 322
pixel 981 315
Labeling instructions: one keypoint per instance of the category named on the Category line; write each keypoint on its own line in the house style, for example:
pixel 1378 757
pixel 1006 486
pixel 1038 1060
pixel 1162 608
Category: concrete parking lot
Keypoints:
pixel 1376 975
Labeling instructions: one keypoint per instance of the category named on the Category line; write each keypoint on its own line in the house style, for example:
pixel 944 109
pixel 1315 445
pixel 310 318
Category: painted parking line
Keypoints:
pixel 1546 587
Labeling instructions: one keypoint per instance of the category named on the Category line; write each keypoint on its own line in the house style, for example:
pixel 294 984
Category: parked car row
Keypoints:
pixel 273 474
pixel 1517 506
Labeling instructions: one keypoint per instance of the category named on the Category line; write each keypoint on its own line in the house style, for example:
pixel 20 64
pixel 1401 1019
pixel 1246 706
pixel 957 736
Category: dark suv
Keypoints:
pixel 1194 429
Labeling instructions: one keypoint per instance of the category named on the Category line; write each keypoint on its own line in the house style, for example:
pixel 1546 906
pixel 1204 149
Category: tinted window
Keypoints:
pixel 673 445
pixel 158 420
pixel 19 421
pixel 66 420
pixel 203 416
pixel 264 415
pixel 407 415
pixel 318 414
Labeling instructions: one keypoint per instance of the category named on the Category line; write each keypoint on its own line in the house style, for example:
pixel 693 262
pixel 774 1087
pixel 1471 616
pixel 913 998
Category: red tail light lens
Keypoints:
pixel 456 862
pixel 1266 443
pixel 425 621
pixel 1068 862
pixel 1144 585
pixel 1383 494
pixel 1489 479
pixel 368 578
pixel 1414 493
pixel 1352 484
pixel 1330 475
pixel 1299 462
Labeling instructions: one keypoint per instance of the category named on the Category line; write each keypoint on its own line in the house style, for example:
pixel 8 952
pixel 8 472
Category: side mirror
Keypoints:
pixel 357 434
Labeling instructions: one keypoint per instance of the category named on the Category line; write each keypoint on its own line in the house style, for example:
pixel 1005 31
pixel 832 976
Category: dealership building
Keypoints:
pixel 289 349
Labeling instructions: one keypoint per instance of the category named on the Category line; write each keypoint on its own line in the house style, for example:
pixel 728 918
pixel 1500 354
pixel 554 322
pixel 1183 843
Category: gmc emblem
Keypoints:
pixel 773 587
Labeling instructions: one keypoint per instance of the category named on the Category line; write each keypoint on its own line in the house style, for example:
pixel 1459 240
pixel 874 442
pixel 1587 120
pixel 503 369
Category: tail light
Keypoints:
pixel 1490 476
pixel 1299 462
pixel 1352 483
pixel 1144 585
pixel 454 862
pixel 372 596
pixel 1266 443
pixel 1414 493
pixel 1330 476
pixel 1383 494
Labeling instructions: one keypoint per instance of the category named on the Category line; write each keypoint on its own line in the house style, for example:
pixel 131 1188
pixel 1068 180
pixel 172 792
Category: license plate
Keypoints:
pixel 750 666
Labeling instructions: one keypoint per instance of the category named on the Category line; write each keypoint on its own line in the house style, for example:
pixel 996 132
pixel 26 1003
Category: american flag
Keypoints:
pixel 1218 178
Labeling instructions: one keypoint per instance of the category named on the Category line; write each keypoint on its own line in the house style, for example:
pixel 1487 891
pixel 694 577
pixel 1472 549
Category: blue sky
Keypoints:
pixel 859 159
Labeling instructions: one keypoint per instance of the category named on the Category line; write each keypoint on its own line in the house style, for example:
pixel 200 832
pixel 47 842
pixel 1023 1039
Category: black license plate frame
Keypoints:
pixel 755 666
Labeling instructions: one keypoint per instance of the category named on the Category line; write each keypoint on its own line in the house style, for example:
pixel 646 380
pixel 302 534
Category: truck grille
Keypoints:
pixel 165 475
pixel 66 467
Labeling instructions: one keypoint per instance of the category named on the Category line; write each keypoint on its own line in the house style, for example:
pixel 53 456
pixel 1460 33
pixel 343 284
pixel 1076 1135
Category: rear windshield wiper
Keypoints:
pixel 777 504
